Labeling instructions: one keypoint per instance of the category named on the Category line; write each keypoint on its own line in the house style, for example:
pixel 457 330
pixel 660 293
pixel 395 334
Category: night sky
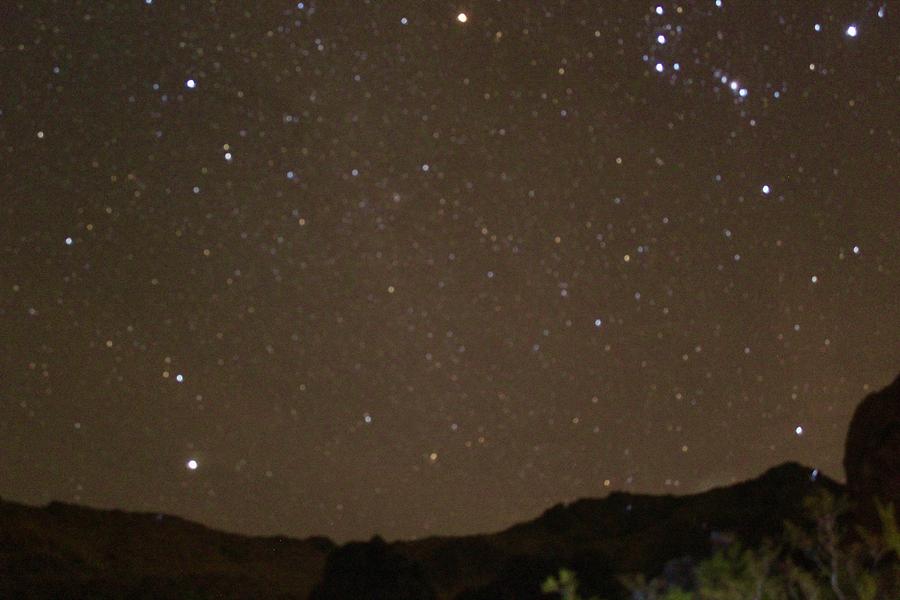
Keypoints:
pixel 415 267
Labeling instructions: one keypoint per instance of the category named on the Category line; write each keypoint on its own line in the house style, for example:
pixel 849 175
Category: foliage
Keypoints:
pixel 565 584
pixel 890 531
pixel 655 589
pixel 820 558
pixel 845 566
pixel 738 573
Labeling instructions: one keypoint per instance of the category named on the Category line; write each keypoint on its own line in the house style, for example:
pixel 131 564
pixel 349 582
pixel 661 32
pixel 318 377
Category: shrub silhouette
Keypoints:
pixel 374 571
pixel 822 558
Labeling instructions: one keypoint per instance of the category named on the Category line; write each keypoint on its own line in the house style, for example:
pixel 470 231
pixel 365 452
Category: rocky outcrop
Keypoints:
pixel 872 453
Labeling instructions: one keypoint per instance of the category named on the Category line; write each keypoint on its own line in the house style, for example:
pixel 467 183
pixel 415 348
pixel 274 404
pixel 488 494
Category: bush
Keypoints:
pixel 822 558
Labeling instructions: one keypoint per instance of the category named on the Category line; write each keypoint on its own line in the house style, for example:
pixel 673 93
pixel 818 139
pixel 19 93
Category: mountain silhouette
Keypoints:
pixel 68 551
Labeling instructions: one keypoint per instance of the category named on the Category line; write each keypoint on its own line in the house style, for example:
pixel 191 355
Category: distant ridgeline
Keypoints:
pixel 726 543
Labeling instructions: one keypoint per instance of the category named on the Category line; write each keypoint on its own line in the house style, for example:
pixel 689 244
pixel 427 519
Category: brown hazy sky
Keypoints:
pixel 378 270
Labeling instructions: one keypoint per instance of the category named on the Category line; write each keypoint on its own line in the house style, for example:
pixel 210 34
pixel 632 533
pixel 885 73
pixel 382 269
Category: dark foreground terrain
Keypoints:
pixel 66 551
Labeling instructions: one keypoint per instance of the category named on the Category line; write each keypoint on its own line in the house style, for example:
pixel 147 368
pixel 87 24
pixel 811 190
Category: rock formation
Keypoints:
pixel 872 453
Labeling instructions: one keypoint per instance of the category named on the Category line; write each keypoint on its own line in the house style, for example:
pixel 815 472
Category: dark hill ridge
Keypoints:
pixel 68 551
pixel 622 533
pixel 63 550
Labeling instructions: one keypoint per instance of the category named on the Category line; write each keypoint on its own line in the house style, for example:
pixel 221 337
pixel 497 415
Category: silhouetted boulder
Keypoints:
pixel 372 570
pixel 872 453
